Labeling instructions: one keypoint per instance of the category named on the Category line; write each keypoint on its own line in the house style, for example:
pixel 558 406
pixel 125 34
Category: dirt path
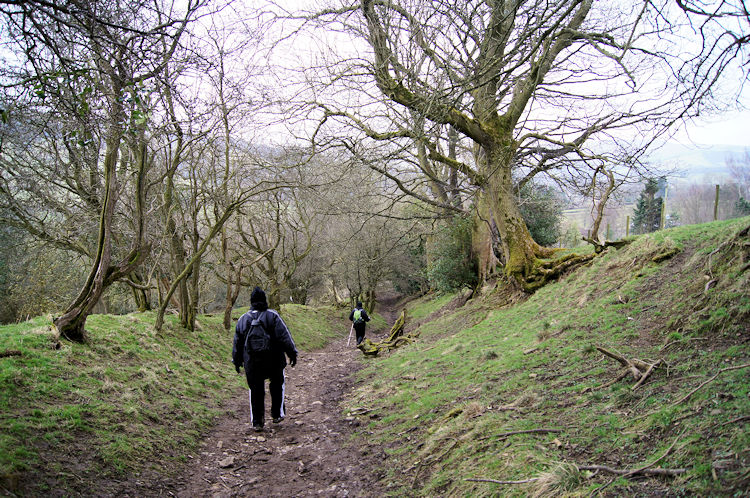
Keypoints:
pixel 311 453
pixel 308 454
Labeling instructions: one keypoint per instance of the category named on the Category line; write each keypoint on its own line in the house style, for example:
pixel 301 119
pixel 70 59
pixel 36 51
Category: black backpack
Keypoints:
pixel 257 340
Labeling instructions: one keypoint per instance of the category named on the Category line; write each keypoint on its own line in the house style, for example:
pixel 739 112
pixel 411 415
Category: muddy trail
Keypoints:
pixel 310 453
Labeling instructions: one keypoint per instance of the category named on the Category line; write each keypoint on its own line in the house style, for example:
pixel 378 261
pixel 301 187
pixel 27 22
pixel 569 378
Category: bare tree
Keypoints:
pixel 90 66
pixel 724 27
pixel 534 90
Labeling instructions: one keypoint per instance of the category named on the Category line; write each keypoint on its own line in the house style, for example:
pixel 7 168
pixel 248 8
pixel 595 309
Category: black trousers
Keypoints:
pixel 359 329
pixel 256 382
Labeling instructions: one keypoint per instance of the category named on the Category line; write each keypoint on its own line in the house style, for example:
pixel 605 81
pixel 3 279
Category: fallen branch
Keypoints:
pixel 622 472
pixel 528 431
pixel 735 420
pixel 640 369
pixel 360 411
pixel 617 379
pixel 645 376
pixel 513 433
pixel 624 361
pixel 647 467
pixel 477 479
pixel 727 369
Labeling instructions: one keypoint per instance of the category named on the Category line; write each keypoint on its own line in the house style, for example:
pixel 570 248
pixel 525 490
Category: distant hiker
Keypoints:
pixel 359 317
pixel 260 341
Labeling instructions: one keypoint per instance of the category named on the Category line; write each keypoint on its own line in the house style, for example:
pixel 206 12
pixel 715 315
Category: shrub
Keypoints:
pixel 451 264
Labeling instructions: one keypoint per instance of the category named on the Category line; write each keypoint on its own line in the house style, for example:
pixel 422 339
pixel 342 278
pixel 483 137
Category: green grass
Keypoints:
pixel 127 397
pixel 529 366
pixel 424 306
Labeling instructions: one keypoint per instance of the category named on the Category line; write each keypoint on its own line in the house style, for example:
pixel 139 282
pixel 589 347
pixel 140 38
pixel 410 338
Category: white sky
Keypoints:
pixel 731 128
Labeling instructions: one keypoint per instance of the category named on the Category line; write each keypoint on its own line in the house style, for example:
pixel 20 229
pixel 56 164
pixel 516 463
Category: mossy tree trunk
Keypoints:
pixel 520 251
pixel 190 265
pixel 491 84
pixel 140 293
pixel 71 324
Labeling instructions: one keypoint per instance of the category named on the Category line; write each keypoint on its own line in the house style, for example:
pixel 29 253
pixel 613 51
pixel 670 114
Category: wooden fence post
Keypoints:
pixel 627 227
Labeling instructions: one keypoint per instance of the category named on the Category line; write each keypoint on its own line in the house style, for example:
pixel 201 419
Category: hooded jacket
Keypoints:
pixel 282 344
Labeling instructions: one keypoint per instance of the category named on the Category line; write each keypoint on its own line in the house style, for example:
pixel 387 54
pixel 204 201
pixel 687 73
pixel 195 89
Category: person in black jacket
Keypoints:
pixel 268 363
pixel 360 318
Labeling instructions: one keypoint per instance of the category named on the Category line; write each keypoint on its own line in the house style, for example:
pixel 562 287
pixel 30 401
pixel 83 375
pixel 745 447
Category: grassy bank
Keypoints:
pixel 520 392
pixel 128 400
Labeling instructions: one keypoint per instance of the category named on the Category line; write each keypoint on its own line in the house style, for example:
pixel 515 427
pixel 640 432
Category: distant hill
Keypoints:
pixel 697 163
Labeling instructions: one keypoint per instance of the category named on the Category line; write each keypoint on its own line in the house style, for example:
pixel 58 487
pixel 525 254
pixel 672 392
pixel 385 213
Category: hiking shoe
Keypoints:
pixel 257 427
pixel 278 420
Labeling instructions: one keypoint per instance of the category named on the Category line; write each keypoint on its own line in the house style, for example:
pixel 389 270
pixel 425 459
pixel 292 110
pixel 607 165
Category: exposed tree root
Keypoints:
pixel 546 270
pixel 666 254
pixel 601 246
pixel 395 339
pixel 737 241
pixel 639 369
pixel 495 481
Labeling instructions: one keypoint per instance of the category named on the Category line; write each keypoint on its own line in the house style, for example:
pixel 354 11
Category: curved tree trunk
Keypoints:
pixel 190 266
pixel 71 324
pixel 140 294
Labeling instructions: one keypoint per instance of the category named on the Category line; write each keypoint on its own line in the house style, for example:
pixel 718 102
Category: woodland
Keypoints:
pixel 159 159
pixel 166 155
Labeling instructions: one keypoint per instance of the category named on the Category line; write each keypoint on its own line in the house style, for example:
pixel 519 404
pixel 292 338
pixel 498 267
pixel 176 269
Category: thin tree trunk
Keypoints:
pixel 599 207
pixel 71 324
pixel 192 262
pixel 233 292
pixel 191 311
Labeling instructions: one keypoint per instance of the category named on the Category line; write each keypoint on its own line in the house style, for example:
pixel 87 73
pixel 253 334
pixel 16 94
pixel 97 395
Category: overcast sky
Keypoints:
pixel 732 128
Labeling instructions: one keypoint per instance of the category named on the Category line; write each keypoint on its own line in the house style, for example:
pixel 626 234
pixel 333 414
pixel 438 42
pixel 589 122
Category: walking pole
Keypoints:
pixel 350 335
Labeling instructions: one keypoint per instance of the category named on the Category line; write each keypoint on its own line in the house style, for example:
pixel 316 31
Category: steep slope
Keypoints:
pixel 521 393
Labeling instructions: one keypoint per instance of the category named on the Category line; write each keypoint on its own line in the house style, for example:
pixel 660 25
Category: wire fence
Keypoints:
pixel 680 205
